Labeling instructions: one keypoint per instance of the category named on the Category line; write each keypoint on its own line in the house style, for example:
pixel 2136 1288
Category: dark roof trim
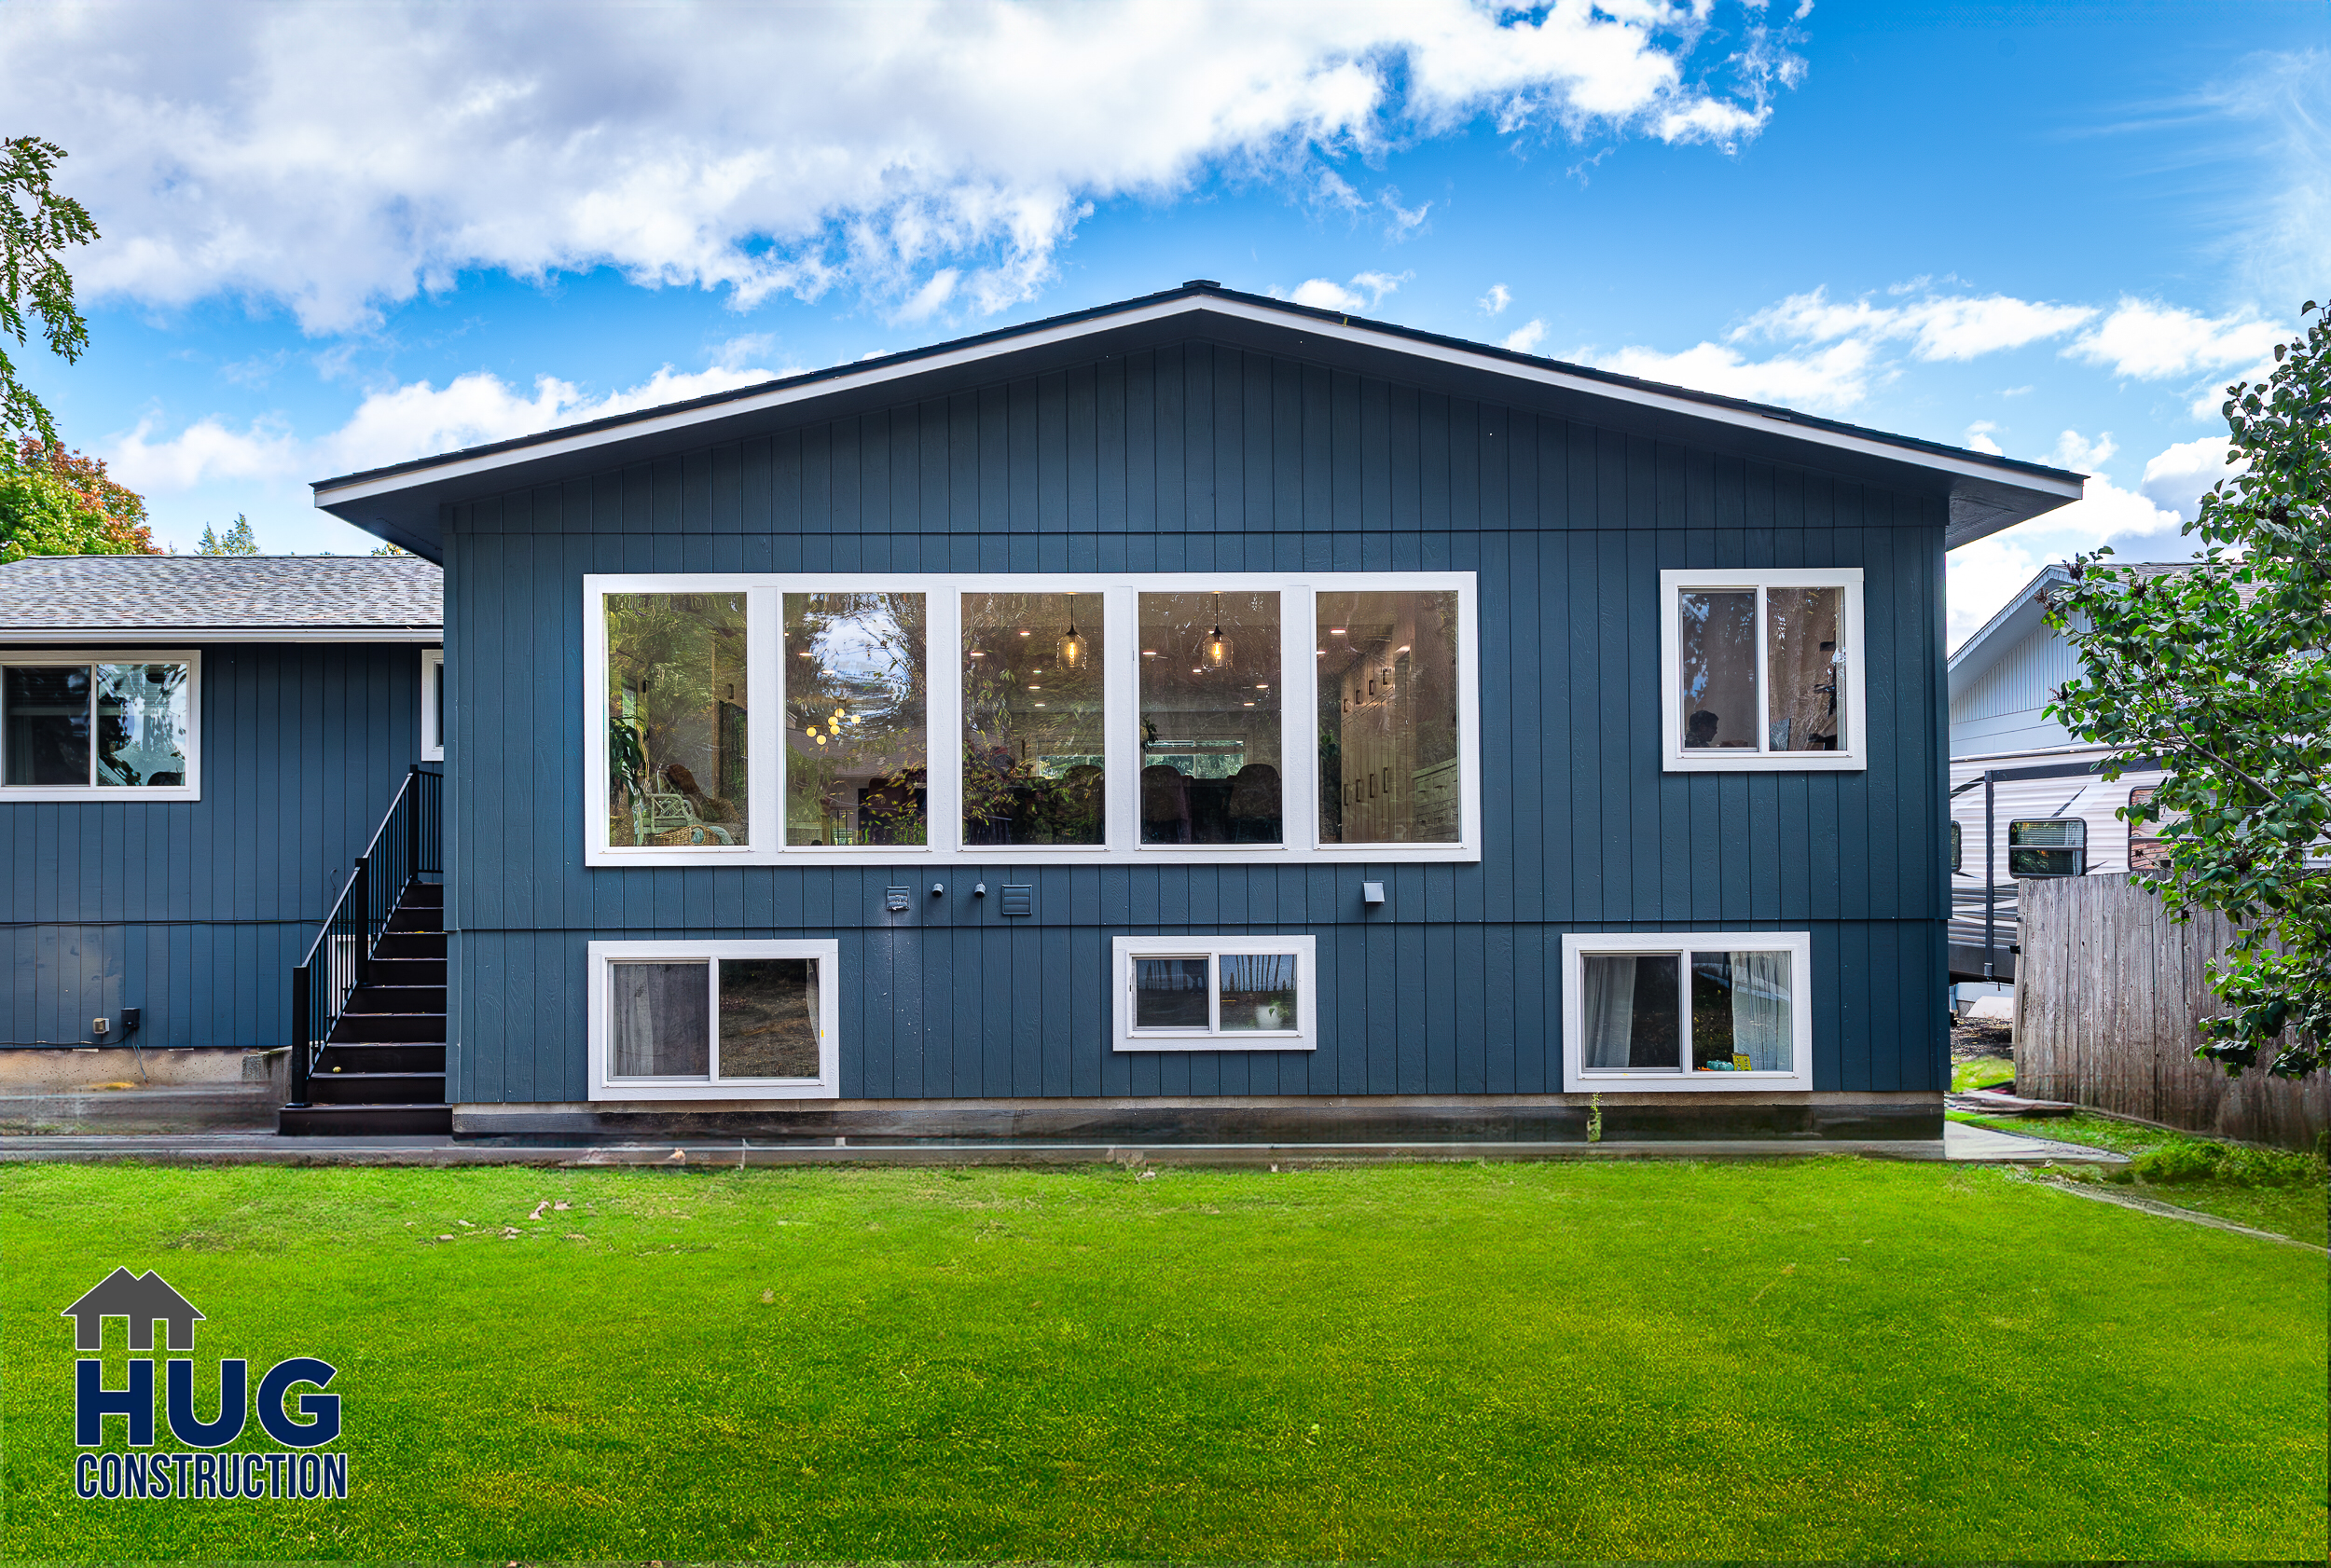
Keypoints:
pixel 2005 487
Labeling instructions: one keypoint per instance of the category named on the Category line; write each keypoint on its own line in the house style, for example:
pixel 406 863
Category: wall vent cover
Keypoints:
pixel 1019 901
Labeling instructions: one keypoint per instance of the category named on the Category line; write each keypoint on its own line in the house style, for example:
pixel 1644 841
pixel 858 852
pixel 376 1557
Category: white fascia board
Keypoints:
pixel 1539 373
pixel 47 636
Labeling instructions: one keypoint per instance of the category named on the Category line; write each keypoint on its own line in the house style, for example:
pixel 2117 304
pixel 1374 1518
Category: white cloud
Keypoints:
pixel 1366 292
pixel 1981 576
pixel 2081 454
pixel 1978 437
pixel 2150 341
pixel 1834 377
pixel 1496 299
pixel 1525 338
pixel 395 425
pixel 2175 478
pixel 1938 327
pixel 336 159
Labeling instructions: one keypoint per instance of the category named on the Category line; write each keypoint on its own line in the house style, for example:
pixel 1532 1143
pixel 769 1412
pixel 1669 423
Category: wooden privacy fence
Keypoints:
pixel 2109 994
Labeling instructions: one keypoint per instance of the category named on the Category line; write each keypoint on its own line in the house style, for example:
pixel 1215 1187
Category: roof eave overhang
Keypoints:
pixel 58 636
pixel 1985 493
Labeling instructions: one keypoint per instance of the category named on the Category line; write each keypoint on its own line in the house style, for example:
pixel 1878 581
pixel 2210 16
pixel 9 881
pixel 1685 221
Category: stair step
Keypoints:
pixel 422 895
pixel 391 995
pixel 409 944
pixel 408 971
pixel 376 1089
pixel 362 1121
pixel 417 922
pixel 365 1028
pixel 390 1057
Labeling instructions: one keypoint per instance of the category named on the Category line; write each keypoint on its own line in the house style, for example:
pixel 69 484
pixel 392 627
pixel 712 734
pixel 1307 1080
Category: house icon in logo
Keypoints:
pixel 139 1297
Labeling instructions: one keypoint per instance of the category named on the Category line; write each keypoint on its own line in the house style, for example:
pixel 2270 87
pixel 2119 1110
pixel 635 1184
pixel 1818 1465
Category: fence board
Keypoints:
pixel 2110 996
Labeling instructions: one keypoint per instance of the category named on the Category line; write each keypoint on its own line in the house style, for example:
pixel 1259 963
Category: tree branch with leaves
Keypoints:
pixel 36 226
pixel 2223 672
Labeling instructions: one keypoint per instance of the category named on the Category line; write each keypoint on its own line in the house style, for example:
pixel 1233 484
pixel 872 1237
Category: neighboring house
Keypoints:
pixel 2026 798
pixel 193 752
pixel 1198 716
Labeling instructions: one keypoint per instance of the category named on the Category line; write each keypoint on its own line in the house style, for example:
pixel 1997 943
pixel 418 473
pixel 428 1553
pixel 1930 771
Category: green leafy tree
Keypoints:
pixel 235 539
pixel 59 503
pixel 36 226
pixel 2224 672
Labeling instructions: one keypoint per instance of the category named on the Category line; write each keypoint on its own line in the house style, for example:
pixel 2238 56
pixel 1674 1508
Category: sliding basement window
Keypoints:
pixel 1687 1010
pixel 713 1020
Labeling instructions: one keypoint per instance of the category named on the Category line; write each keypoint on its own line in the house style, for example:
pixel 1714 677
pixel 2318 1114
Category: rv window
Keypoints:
pixel 2049 846
pixel 1957 856
pixel 2146 853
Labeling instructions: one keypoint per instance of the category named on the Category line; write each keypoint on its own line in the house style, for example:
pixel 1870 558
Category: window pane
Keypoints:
pixel 1387 718
pixel 768 1018
pixel 1631 1011
pixel 1258 990
pixel 437 708
pixel 1958 855
pixel 1210 719
pixel 1719 670
pixel 1032 736
pixel 142 720
pixel 2049 847
pixel 47 723
pixel 1170 994
pixel 1740 1018
pixel 1802 645
pixel 676 701
pixel 857 745
pixel 656 1022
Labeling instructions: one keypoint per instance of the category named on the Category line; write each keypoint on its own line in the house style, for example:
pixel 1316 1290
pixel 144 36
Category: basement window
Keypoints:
pixel 99 726
pixel 1687 1010
pixel 1216 992
pixel 713 1020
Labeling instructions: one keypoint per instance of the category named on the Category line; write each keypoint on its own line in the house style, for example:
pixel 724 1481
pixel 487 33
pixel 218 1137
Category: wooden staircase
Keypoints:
pixel 382 1067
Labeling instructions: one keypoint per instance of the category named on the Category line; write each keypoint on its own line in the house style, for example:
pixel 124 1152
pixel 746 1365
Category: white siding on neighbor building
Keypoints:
pixel 2000 710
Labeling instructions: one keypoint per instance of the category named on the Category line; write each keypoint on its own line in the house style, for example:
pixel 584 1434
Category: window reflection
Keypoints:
pixel 676 699
pixel 46 723
pixel 1801 667
pixel 1211 764
pixel 1719 670
pixel 142 723
pixel 857 746
pixel 1387 718
pixel 1033 742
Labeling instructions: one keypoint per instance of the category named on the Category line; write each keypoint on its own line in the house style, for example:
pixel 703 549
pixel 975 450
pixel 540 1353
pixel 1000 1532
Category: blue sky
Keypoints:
pixel 335 237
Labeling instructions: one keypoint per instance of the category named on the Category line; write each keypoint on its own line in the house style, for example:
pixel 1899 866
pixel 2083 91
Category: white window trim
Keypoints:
pixel 190 790
pixel 827 1085
pixel 1854 758
pixel 1121 674
pixel 1578 1080
pixel 1303 1037
pixel 432 661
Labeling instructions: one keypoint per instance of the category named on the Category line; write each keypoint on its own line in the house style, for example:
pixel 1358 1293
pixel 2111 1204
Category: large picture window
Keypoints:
pixel 1761 670
pixel 1159 718
pixel 1687 1010
pixel 1216 992
pixel 99 726
pixel 711 1020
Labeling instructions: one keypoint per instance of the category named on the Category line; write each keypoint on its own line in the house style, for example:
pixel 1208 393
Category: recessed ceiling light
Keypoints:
pixel 1335 631
pixel 1023 634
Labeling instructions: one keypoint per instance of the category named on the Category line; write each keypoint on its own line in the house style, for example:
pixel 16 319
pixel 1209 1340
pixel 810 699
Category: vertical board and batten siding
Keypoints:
pixel 2110 994
pixel 196 910
pixel 1199 459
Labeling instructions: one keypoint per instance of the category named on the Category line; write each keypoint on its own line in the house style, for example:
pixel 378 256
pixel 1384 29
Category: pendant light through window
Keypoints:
pixel 1214 653
pixel 1072 648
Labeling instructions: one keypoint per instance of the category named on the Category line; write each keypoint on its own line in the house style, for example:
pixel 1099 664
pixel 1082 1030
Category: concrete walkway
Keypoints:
pixel 1958 1143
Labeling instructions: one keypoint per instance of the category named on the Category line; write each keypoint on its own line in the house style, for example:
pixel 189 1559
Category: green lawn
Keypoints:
pixel 2299 1209
pixel 1982 1073
pixel 1817 1358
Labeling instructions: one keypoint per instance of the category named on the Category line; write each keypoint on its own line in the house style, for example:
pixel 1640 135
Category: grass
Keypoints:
pixel 2264 1189
pixel 1815 1358
pixel 1981 1073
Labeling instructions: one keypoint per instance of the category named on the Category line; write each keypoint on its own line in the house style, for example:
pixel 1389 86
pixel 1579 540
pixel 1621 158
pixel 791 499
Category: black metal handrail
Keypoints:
pixel 410 841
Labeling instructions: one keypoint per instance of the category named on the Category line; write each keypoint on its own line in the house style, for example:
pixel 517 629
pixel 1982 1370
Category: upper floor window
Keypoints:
pixel 1761 670
pixel 80 726
pixel 1120 719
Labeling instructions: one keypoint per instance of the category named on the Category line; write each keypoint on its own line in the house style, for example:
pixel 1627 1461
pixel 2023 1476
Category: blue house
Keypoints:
pixel 1199 717
pixel 194 752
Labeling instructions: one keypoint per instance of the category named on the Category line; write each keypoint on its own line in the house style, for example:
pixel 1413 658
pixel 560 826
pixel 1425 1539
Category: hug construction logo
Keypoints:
pixel 195 1470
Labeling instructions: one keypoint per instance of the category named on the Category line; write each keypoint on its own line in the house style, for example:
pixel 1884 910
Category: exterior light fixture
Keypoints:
pixel 1072 648
pixel 1214 653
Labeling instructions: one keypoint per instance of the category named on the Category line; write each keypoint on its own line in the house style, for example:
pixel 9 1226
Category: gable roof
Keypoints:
pixel 296 599
pixel 2024 613
pixel 1987 493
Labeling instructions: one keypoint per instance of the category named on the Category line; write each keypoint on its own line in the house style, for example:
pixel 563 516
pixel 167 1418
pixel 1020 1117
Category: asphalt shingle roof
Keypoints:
pixel 173 593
